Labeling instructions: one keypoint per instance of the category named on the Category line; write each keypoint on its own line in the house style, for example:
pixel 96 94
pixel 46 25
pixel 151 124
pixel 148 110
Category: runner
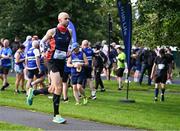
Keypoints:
pixel 32 62
pixel 77 61
pixel 159 73
pixel 59 39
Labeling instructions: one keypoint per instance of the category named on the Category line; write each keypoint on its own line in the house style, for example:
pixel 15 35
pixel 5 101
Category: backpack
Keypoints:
pixel 103 57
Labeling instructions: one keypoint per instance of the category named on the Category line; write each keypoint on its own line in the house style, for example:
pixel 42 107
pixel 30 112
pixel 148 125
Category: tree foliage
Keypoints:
pixel 158 24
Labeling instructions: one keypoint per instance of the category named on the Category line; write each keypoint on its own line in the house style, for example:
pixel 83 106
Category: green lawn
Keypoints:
pixel 144 114
pixel 7 126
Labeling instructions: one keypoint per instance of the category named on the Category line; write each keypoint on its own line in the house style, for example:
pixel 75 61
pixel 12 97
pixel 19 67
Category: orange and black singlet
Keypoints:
pixel 59 45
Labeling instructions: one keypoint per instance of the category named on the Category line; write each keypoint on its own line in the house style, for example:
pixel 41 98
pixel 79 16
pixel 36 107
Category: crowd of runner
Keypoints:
pixel 77 65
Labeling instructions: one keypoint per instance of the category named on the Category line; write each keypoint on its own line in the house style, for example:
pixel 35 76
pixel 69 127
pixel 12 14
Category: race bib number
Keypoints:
pixel 161 66
pixel 58 54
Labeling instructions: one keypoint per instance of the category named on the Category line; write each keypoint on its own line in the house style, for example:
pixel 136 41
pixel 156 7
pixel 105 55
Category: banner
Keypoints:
pixel 71 26
pixel 125 14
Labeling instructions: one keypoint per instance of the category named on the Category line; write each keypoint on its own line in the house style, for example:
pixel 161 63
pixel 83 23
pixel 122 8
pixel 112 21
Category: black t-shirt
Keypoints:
pixel 100 59
pixel 162 65
pixel 170 58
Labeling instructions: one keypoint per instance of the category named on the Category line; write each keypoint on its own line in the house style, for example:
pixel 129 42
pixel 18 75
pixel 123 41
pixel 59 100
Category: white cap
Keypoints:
pixel 28 37
pixel 117 46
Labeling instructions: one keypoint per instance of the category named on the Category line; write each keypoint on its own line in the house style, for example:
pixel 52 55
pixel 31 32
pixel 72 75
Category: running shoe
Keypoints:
pixel 102 90
pixel 58 119
pixel 92 97
pixel 66 100
pixel 29 98
pixel 16 91
pixel 6 85
pixel 155 99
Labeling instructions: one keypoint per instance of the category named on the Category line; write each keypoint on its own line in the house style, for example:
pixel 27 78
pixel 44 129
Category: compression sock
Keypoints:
pixel 56 101
pixel 41 91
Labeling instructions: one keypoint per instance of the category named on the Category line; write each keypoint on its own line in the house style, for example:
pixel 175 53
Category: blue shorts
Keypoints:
pixel 77 79
pixel 18 69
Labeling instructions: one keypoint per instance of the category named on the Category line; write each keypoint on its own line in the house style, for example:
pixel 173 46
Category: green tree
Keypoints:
pixel 159 22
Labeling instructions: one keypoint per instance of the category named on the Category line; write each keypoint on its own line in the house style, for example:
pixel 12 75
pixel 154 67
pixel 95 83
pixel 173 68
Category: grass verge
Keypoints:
pixel 144 114
pixel 7 126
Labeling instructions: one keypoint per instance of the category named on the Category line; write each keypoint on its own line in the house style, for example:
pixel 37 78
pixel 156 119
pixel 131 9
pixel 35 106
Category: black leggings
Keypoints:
pixel 98 80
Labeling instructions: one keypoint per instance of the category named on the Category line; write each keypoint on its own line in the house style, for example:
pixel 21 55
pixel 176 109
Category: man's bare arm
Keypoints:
pixel 50 33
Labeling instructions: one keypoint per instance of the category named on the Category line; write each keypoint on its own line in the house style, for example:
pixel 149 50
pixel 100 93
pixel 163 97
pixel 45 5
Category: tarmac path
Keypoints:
pixel 44 121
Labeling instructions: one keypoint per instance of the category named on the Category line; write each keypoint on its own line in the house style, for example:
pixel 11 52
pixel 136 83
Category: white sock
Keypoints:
pixel 93 93
pixel 120 84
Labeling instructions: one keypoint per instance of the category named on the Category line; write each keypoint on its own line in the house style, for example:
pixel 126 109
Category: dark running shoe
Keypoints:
pixel 92 97
pixel 102 90
pixel 66 100
pixel 16 91
pixel 120 88
pixel 155 99
pixel 6 85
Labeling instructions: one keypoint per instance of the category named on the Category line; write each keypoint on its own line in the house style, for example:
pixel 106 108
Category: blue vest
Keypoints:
pixel 77 58
pixel 21 64
pixel 31 63
pixel 6 62
pixel 89 54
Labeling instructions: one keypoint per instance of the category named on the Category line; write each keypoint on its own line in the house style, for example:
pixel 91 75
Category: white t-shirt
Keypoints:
pixel 36 52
